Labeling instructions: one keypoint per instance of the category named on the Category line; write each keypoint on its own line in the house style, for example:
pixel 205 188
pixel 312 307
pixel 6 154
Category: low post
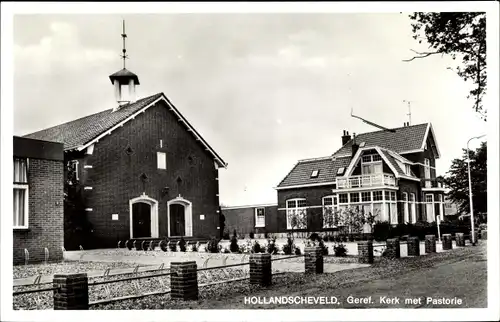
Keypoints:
pixel 260 269
pixel 430 244
pixel 365 252
pixel 447 242
pixel 484 234
pixel 72 291
pixel 313 259
pixel 393 249
pixel 460 239
pixel 413 244
pixel 473 233
pixel 184 281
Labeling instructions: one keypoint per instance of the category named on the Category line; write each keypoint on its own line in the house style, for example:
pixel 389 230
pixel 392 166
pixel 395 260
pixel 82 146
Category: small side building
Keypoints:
pixel 38 210
pixel 257 219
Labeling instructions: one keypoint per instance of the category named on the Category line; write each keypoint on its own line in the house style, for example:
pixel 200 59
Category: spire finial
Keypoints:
pixel 124 50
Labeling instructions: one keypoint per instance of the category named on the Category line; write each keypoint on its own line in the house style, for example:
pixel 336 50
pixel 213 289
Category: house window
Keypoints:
pixel 406 211
pixel 20 209
pixel 354 197
pixel 260 217
pixel 296 214
pixel 162 160
pixel 377 195
pixel 391 206
pixel 427 172
pixel 413 212
pixel 429 207
pixel 340 171
pixel 408 170
pixel 371 164
pixel 366 196
pixel 314 174
pixel 343 198
pixel 330 215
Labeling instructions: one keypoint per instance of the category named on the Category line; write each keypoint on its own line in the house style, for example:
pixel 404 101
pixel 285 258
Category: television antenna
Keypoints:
pixel 371 123
pixel 409 110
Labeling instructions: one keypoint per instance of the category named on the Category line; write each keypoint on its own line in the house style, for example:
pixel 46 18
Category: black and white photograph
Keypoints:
pixel 300 161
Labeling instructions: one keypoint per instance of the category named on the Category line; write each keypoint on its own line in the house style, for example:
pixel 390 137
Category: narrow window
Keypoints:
pixel 260 217
pixel 162 160
pixel 20 209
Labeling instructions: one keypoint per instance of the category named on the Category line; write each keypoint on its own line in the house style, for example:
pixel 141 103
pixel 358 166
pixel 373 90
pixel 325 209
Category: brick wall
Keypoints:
pixel 115 176
pixel 314 198
pixel 45 217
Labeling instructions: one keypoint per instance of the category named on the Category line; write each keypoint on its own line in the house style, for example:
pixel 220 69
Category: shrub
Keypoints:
pixel 234 248
pixel 381 230
pixel 171 245
pixel 225 234
pixel 265 235
pixel 194 247
pixel 297 251
pixel 340 250
pixel 314 237
pixel 163 246
pixel 182 245
pixel 271 246
pixel 212 246
pixel 251 235
pixel 288 247
pixel 256 247
pixel 321 244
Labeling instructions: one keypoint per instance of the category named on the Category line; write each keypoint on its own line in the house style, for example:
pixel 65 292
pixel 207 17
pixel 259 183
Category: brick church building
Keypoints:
pixel 142 170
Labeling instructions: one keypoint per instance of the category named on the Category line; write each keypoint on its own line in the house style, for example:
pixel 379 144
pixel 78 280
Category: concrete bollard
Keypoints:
pixel 430 244
pixel 447 245
pixel 72 291
pixel 184 281
pixel 393 248
pixel 413 244
pixel 313 259
pixel 365 252
pixel 260 269
pixel 460 239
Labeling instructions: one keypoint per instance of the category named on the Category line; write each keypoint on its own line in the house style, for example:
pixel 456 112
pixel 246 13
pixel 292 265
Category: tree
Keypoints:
pixel 297 219
pixel 458 182
pixel 461 35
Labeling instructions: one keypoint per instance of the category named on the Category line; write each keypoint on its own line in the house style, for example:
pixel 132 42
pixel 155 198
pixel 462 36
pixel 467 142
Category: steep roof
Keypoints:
pixel 405 139
pixel 327 171
pixel 80 133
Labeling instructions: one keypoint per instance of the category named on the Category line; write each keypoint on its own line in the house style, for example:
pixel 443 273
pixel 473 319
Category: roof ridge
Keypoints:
pixel 394 128
pixel 94 114
pixel 314 159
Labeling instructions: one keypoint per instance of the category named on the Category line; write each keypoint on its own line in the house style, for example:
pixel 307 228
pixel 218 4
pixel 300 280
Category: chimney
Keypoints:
pixel 355 146
pixel 345 138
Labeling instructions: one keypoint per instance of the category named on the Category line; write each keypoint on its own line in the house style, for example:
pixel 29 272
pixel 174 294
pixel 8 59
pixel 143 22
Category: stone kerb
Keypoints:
pixel 313 260
pixel 365 252
pixel 460 239
pixel 413 246
pixel 447 245
pixel 72 291
pixel 260 269
pixel 393 248
pixel 184 280
pixel 430 244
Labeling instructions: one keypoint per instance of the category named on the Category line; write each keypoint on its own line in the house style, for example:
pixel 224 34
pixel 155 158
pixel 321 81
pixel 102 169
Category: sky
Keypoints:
pixel 264 90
